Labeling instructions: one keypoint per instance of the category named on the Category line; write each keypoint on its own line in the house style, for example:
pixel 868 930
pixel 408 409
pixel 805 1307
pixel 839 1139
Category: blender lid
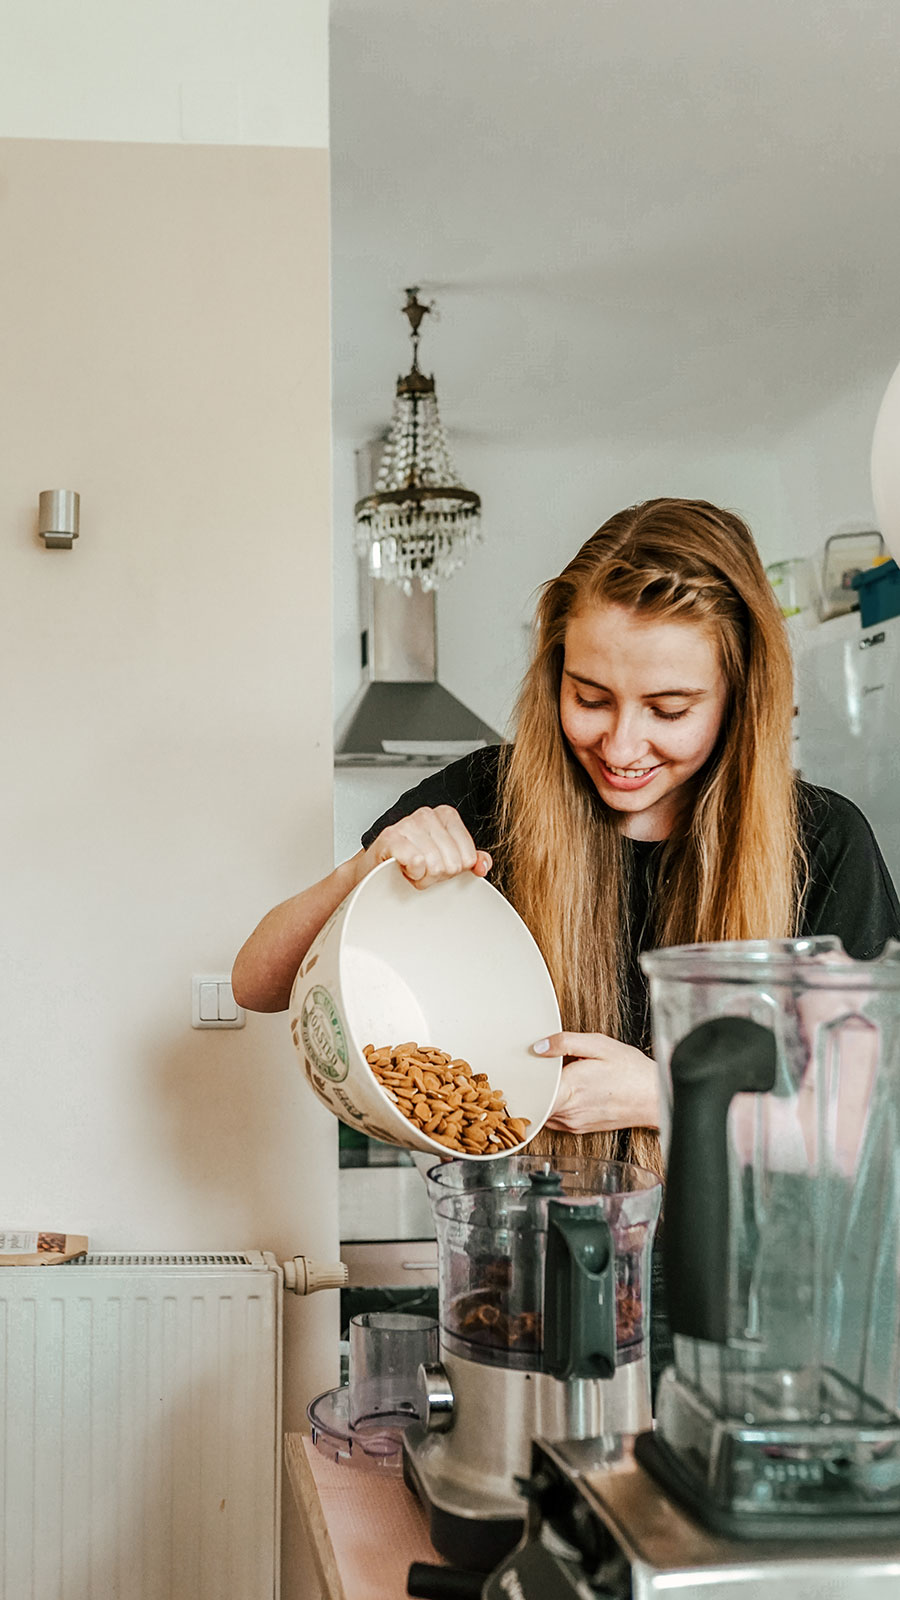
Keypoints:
pixel 822 960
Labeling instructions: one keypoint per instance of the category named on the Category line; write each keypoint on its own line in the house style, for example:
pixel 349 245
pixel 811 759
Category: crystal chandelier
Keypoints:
pixel 419 522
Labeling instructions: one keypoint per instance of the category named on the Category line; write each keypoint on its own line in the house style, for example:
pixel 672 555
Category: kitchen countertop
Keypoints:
pixel 365 1528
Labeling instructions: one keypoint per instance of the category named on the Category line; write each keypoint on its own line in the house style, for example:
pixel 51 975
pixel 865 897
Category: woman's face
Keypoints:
pixel 641 703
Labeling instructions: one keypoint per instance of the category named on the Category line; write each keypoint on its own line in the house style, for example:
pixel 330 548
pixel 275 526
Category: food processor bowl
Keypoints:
pixel 493 1241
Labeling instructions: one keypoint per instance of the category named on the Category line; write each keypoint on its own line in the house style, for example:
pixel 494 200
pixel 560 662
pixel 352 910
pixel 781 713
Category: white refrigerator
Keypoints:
pixel 848 719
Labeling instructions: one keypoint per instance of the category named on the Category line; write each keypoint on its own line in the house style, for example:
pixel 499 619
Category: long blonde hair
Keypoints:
pixel 733 868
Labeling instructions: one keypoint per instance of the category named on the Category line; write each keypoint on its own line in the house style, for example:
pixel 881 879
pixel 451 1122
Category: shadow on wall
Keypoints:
pixel 228 1123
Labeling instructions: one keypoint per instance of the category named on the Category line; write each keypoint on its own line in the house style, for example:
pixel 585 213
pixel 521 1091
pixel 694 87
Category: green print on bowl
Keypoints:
pixel 323 1034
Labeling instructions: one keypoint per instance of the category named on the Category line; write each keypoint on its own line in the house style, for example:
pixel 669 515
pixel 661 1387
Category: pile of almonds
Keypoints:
pixel 445 1099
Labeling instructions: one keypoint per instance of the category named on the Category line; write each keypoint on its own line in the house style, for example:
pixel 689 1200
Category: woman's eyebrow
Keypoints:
pixel 657 694
pixel 682 694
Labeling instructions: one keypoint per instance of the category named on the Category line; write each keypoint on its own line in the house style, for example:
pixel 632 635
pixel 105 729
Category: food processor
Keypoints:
pixel 774 1464
pixel 543 1306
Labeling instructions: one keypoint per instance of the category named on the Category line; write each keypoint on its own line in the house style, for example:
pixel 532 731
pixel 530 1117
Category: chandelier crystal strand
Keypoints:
pixel 419 522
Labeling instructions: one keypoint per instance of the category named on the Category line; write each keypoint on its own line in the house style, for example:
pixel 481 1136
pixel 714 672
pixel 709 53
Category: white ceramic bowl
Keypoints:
pixel 453 966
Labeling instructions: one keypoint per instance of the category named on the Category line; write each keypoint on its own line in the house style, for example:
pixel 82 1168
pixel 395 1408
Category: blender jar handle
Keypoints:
pixel 579 1335
pixel 717 1060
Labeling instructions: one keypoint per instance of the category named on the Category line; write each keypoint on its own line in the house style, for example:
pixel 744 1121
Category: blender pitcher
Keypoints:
pixel 780 1077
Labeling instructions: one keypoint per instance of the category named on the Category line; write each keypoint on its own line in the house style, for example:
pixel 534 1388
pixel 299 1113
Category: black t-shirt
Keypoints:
pixel 849 892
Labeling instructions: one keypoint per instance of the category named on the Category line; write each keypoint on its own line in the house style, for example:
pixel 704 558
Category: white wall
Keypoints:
pixel 824 467
pixel 538 508
pixel 165 706
pixel 204 71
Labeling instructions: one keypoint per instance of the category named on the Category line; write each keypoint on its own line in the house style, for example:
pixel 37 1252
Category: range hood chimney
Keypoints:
pixel 401 715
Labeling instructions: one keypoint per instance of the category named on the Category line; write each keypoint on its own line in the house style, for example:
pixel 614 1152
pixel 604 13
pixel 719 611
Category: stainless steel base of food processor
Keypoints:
pixel 480 1420
pixel 598 1524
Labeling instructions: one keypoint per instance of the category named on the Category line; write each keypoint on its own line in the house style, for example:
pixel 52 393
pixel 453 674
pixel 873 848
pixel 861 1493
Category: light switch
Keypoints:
pixel 227 1008
pixel 209 1002
pixel 212 1003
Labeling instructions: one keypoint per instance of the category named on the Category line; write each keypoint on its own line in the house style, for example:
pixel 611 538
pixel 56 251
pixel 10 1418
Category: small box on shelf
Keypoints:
pixel 879 593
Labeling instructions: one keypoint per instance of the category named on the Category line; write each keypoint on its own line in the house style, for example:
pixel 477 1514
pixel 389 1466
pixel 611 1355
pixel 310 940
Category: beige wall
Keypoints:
pixel 165 711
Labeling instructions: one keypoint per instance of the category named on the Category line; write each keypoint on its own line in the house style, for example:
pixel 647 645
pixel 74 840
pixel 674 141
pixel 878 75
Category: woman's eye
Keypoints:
pixel 603 705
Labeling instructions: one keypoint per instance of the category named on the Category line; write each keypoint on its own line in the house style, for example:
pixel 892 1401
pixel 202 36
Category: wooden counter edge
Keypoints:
pixel 309 1506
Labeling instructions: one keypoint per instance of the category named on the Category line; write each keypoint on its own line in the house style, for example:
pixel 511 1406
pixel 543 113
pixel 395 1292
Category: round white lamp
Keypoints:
pixel 886 467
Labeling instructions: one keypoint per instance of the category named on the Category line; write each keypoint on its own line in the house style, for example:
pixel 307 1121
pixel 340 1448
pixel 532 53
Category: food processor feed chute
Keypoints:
pixel 781 1079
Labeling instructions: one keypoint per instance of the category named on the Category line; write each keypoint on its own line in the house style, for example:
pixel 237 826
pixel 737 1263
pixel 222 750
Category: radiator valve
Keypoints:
pixel 302 1275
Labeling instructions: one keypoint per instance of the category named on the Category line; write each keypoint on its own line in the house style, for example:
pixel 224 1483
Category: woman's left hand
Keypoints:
pixel 605 1084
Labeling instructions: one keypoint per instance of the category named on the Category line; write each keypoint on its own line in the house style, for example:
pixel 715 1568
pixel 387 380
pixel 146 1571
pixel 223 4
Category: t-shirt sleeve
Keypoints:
pixel 469 786
pixel 850 892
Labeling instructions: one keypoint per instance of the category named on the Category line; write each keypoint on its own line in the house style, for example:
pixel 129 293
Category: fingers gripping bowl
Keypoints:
pixel 453 967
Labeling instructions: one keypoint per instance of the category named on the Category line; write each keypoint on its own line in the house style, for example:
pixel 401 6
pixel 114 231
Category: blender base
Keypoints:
pixel 818 1522
pixel 599 1524
pixel 469 1531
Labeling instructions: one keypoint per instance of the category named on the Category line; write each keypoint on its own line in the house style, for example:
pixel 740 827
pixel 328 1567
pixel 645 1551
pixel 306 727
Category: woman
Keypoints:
pixel 648 799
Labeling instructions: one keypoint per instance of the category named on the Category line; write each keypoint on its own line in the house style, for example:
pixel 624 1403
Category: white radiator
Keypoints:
pixel 140 1428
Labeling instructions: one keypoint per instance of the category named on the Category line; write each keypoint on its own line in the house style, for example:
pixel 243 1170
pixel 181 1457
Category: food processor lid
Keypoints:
pixel 519 1204
pixel 820 962
pixel 580 1175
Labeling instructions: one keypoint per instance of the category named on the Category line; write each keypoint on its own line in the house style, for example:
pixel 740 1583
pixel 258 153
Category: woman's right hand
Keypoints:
pixel 428 846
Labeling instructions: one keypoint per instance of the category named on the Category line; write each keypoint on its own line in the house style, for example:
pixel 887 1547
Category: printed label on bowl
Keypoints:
pixel 323 1035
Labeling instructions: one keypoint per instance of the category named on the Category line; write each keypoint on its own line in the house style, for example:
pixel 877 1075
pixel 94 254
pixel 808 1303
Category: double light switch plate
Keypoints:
pixel 212 1003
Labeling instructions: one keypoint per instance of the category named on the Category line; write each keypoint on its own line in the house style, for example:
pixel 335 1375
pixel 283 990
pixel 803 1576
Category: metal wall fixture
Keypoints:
pixel 58 511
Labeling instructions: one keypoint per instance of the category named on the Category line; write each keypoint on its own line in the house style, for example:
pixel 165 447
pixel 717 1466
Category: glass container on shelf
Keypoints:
pixel 796 589
pixel 846 554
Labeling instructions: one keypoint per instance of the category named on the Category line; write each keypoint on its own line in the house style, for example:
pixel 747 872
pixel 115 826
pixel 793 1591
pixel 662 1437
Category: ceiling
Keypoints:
pixel 662 218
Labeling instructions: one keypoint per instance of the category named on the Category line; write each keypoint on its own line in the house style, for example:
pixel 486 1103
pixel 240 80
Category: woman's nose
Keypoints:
pixel 624 742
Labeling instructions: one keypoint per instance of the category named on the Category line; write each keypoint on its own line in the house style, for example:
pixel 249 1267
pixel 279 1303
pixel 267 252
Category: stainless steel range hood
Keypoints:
pixel 401 714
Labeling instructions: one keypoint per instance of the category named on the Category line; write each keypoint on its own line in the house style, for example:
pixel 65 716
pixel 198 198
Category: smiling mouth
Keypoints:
pixel 629 772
